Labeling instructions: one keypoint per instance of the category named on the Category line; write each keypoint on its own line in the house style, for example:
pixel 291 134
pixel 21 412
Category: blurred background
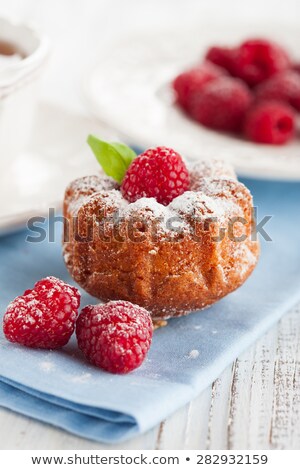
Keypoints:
pixel 80 30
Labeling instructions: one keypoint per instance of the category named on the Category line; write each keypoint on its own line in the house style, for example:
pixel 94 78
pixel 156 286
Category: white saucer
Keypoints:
pixel 129 90
pixel 37 178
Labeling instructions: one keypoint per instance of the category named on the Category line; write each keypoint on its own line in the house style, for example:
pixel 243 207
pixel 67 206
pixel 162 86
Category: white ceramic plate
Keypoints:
pixel 130 90
pixel 35 181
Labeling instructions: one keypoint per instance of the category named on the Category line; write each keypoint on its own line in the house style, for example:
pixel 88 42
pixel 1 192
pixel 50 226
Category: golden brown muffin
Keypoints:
pixel 169 259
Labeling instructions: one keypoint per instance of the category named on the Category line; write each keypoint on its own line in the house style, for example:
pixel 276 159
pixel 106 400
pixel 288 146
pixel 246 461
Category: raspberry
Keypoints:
pixel 115 336
pixel 296 67
pixel 259 59
pixel 159 172
pixel 43 317
pixel 284 86
pixel 270 122
pixel 193 80
pixel 223 57
pixel 221 104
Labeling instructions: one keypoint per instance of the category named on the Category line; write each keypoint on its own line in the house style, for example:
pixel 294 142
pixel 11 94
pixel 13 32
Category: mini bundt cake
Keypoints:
pixel 171 259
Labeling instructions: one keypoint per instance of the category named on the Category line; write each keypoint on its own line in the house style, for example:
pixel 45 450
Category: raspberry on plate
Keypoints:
pixel 270 122
pixel 159 173
pixel 222 57
pixel 222 104
pixel 193 80
pixel 284 86
pixel 296 67
pixel 115 336
pixel 259 59
pixel 43 317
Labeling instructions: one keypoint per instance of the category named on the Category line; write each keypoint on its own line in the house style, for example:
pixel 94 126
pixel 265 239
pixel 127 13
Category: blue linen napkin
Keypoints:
pixel 60 388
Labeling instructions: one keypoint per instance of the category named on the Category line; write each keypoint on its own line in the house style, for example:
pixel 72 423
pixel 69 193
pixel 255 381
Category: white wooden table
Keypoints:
pixel 255 403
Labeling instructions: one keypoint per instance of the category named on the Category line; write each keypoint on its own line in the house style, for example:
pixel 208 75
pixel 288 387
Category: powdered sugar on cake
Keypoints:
pixel 214 168
pixel 101 191
pixel 130 257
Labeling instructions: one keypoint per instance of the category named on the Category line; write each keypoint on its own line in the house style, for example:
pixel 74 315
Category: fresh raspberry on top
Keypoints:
pixel 222 104
pixel 43 317
pixel 284 86
pixel 223 57
pixel 193 80
pixel 115 336
pixel 159 173
pixel 270 122
pixel 259 59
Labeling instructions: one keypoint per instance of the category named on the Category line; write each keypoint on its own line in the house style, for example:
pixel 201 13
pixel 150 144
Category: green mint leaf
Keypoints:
pixel 126 152
pixel 114 158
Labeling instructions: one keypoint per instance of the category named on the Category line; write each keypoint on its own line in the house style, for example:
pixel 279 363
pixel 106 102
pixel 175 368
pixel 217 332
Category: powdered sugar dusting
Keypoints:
pixel 47 366
pixel 152 210
pixel 83 378
pixel 149 205
pixel 213 168
pixel 245 258
pixel 193 354
pixel 93 183
pixel 102 190
pixel 82 189
pixel 198 203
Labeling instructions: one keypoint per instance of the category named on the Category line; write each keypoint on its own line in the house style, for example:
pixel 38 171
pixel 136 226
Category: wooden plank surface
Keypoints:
pixel 254 404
